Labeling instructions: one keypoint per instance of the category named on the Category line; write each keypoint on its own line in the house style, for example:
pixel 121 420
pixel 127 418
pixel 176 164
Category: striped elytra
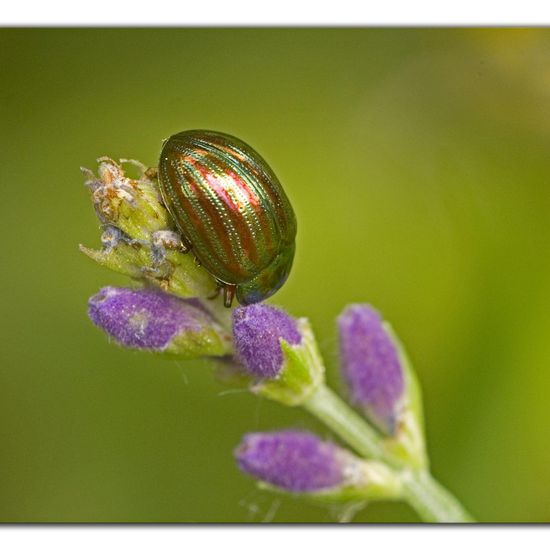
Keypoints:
pixel 231 210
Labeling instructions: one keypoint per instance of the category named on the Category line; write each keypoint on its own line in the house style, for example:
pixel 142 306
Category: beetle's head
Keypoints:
pixel 268 281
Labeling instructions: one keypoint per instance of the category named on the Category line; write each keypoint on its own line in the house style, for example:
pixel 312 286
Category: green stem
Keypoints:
pixel 332 411
pixel 432 502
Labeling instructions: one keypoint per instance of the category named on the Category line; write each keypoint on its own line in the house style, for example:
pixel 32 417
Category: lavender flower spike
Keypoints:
pixel 152 320
pixel 372 366
pixel 294 461
pixel 257 332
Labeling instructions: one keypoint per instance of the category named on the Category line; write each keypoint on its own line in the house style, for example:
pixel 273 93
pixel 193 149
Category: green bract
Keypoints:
pixel 138 238
pixel 302 371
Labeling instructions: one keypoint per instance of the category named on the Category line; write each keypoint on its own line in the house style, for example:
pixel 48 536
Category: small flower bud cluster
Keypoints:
pixel 152 320
pixel 381 382
pixel 279 353
pixel 258 330
pixel 295 461
pixel 132 205
pixel 299 462
pixel 280 357
pixel 371 366
pixel 139 238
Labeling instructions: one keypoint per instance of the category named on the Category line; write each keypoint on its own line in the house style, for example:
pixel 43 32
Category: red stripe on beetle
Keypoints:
pixel 192 200
pixel 246 245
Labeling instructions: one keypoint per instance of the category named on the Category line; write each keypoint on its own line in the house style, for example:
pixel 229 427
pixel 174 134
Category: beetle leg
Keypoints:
pixel 228 294
pixel 216 292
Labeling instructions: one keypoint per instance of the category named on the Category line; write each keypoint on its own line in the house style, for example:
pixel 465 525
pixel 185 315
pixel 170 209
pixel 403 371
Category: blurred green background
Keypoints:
pixel 418 163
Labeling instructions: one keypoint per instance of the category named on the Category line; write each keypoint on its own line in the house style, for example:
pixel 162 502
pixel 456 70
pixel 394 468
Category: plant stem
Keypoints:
pixel 332 411
pixel 432 502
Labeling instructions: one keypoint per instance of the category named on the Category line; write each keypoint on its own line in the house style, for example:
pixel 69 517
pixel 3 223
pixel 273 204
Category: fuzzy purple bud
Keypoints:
pixel 257 332
pixel 153 320
pixel 371 366
pixel 295 461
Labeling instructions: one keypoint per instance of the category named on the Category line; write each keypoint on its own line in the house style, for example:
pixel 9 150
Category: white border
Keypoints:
pixel 271 538
pixel 254 13
pixel 278 12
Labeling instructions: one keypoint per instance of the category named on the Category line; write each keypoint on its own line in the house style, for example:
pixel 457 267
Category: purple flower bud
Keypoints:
pixel 257 331
pixel 153 320
pixel 295 461
pixel 371 366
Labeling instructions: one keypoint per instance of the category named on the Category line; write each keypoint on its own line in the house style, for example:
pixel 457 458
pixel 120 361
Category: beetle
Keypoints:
pixel 231 210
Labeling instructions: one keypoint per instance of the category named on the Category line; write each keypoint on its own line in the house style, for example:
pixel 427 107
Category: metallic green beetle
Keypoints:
pixel 230 208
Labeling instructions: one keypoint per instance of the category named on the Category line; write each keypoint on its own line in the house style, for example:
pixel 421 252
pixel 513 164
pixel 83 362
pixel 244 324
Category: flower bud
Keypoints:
pixel 381 381
pixel 132 205
pixel 152 320
pixel 138 238
pixel 279 351
pixel 300 462
pixel 371 366
pixel 292 460
pixel 258 330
